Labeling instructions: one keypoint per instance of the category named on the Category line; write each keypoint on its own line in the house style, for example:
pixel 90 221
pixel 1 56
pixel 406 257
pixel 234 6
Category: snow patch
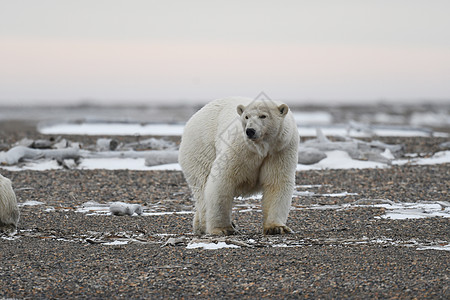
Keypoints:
pixel 437 119
pixel 313 117
pixel 441 157
pixel 401 211
pixel 435 247
pixel 113 129
pixel 115 243
pixel 30 203
pixel 210 246
pixel 340 160
pixel 136 164
pixel 394 210
pixel 312 194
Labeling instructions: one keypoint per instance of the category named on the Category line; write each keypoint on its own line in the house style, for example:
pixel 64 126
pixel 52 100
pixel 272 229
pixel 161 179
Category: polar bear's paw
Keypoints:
pixel 277 229
pixel 229 230
pixel 8 229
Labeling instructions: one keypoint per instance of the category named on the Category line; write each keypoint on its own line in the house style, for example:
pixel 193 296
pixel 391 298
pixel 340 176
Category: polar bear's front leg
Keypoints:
pixel 276 204
pixel 218 204
pixel 278 180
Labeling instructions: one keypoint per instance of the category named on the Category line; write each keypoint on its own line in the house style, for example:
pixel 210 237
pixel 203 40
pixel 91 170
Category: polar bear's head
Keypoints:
pixel 261 120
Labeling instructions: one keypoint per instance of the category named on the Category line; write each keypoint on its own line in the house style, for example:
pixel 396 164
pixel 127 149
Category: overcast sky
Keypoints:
pixel 57 51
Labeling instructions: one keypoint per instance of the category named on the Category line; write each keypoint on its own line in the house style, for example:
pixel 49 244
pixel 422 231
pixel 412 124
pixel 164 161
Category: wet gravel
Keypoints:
pixel 59 252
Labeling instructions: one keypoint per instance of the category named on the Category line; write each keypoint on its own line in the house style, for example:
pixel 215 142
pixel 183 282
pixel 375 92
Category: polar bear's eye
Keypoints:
pixel 246 117
pixel 262 116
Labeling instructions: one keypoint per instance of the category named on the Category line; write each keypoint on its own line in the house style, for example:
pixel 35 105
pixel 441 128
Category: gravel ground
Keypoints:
pixel 335 253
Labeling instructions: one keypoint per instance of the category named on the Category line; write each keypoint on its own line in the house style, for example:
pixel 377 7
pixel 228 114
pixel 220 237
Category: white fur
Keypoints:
pixel 9 212
pixel 221 162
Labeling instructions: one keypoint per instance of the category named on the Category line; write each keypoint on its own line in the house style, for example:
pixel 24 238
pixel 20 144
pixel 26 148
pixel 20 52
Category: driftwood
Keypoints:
pixel 152 143
pixel 309 156
pixel 125 209
pixel 115 154
pixel 20 153
pixel 356 149
pixel 160 157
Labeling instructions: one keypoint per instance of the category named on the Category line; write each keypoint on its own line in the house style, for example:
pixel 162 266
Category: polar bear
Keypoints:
pixel 238 147
pixel 9 212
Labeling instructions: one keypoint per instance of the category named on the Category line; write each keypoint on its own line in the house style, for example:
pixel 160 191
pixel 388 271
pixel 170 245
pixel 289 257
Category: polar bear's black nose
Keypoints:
pixel 250 132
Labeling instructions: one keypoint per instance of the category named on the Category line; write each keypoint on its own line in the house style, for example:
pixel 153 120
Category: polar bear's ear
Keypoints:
pixel 283 109
pixel 240 109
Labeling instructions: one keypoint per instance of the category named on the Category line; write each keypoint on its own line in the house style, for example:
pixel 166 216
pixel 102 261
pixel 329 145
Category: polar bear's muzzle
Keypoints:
pixel 251 133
